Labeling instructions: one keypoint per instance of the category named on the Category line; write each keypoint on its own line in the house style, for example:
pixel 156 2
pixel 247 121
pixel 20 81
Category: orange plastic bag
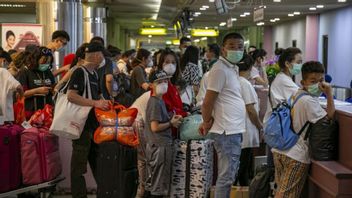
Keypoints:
pixel 124 135
pixel 124 117
pixel 19 111
pixel 42 117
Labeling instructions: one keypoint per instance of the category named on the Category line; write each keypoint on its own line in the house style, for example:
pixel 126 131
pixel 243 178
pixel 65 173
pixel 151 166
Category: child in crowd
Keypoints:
pixel 158 138
pixel 291 166
pixel 253 123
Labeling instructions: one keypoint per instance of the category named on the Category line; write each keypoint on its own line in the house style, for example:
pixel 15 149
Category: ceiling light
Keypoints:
pixel 233 19
pixel 152 31
pixel 188 36
pixel 191 19
pixel 197 13
pixel 205 6
pixel 202 9
pixel 296 13
pixel 260 23
pixel 320 6
pixel 150 36
pixel 272 20
pixel 168 42
pixel 152 26
pixel 222 24
pixel 196 41
pixel 242 15
pixel 291 15
pixel 206 28
pixel 277 19
pixel 312 8
pixel 262 6
pixel 247 13
pixel 211 1
pixel 341 1
pixel 204 39
pixel 277 0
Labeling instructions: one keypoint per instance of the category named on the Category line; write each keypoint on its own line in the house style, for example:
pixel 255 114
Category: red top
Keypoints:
pixel 173 100
pixel 68 59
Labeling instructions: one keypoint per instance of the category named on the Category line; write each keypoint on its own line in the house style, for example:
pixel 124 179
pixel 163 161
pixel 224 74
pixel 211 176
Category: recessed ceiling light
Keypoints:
pixel 196 41
pixel 242 15
pixel 152 26
pixel 205 6
pixel 277 0
pixel 260 23
pixel 320 6
pixel 197 13
pixel 296 13
pixel 277 19
pixel 291 15
pixel 191 19
pixel 206 28
pixel 312 8
pixel 222 24
pixel 188 36
pixel 272 20
pixel 211 1
pixel 204 38
pixel 233 19
pixel 341 1
pixel 247 13
pixel 202 9
pixel 150 36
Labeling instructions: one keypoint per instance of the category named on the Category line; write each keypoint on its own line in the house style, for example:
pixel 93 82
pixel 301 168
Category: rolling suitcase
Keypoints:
pixel 10 157
pixel 117 174
pixel 40 156
pixel 192 169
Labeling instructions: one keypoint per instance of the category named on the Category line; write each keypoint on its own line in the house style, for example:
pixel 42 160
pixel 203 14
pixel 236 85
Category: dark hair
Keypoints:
pixel 80 54
pixel 191 55
pixel 288 55
pixel 31 58
pixel 232 35
pixel 60 34
pixel 258 53
pixel 98 39
pixel 182 83
pixel 6 56
pixel 163 56
pixel 12 51
pixel 18 61
pixel 184 40
pixel 279 51
pixel 128 53
pixel 141 53
pixel 155 56
pixel 9 33
pixel 114 51
pixel 245 63
pixel 214 48
pixel 312 67
pixel 45 52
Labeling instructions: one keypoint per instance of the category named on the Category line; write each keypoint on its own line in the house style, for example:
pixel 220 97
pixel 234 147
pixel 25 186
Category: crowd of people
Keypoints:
pixel 165 87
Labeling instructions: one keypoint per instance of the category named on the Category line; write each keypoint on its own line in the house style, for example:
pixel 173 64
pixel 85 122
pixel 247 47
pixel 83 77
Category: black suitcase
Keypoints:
pixel 117 174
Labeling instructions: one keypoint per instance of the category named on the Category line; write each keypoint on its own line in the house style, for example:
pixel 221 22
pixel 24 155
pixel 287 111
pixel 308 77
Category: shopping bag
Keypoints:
pixel 19 111
pixel 42 117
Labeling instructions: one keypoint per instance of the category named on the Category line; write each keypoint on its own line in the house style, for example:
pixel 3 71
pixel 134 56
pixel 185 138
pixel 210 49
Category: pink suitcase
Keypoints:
pixel 40 156
pixel 10 157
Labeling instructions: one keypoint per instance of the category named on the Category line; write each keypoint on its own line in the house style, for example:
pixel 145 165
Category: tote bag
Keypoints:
pixel 70 118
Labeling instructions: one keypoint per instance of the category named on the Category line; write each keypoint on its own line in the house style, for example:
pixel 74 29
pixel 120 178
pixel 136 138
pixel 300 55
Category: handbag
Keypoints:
pixel 69 118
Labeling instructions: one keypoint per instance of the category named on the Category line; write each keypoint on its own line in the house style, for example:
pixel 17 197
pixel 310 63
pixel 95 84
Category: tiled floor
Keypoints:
pixel 68 196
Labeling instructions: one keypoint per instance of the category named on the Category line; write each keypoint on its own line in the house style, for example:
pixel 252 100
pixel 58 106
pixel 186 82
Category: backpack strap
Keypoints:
pixel 294 102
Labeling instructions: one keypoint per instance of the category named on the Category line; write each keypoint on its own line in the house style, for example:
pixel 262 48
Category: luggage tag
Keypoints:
pixel 26 125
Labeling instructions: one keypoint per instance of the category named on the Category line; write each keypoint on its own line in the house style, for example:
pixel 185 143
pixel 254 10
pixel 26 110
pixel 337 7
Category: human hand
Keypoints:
pixel 43 90
pixel 102 104
pixel 176 120
pixel 325 88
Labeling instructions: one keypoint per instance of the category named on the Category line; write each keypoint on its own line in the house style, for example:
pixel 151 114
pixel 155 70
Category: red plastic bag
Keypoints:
pixel 19 111
pixel 124 135
pixel 43 117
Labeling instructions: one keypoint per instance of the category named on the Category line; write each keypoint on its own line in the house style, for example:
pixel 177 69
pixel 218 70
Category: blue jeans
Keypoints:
pixel 228 149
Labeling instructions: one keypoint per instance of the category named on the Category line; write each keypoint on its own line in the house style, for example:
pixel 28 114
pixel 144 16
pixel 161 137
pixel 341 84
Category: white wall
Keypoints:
pixel 286 32
pixel 338 26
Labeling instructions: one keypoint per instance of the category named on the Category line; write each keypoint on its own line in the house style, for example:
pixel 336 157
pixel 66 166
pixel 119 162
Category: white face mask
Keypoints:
pixel 150 64
pixel 170 69
pixel 161 89
pixel 102 63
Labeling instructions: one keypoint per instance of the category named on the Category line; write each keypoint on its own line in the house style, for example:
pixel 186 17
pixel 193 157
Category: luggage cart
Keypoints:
pixel 45 189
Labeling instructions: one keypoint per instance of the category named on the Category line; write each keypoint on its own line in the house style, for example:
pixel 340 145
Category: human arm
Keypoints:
pixel 253 116
pixel 175 121
pixel 330 107
pixel 62 69
pixel 74 97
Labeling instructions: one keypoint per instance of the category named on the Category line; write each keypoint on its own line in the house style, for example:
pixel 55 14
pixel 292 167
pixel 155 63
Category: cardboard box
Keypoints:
pixel 236 192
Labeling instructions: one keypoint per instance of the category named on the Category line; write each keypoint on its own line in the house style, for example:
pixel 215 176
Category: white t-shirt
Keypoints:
pixel 307 108
pixel 8 85
pixel 281 90
pixel 202 89
pixel 229 109
pixel 122 65
pixel 187 95
pixel 141 105
pixel 251 137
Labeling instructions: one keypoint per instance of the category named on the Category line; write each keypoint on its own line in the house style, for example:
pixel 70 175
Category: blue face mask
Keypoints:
pixel 296 69
pixel 234 56
pixel 43 67
pixel 314 90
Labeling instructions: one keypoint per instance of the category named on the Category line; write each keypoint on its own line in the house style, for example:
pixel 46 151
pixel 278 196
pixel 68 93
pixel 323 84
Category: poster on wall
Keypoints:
pixel 17 36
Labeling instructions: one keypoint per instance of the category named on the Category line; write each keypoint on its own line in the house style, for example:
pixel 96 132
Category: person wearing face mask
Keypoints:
pixel 253 122
pixel 282 87
pixel 158 137
pixel 37 79
pixel 184 43
pixel 258 73
pixel 292 165
pixel 139 83
pixel 125 61
pixel 224 112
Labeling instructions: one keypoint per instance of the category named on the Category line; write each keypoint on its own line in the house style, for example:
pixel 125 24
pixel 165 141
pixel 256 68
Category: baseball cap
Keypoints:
pixel 158 75
pixel 94 47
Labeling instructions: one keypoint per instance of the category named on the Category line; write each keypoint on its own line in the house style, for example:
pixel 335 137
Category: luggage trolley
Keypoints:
pixel 45 189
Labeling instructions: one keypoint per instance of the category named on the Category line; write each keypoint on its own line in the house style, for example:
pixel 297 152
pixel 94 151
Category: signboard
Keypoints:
pixel 229 23
pixel 258 14
pixel 18 36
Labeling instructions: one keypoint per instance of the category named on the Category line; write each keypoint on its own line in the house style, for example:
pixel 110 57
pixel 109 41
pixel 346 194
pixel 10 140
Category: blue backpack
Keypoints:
pixel 278 132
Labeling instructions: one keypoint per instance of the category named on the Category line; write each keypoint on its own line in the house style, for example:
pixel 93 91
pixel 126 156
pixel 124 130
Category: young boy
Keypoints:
pixel 291 166
pixel 158 137
pixel 253 123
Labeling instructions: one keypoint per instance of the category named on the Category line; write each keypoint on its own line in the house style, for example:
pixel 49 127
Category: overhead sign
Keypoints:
pixel 229 23
pixel 258 14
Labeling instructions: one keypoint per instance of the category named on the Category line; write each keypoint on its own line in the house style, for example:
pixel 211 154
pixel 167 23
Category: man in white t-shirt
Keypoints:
pixel 224 112
pixel 292 165
pixel 122 64
pixel 253 123
pixel 8 85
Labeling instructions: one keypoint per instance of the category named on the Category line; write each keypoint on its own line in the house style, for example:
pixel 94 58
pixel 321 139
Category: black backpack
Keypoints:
pixel 124 84
pixel 260 184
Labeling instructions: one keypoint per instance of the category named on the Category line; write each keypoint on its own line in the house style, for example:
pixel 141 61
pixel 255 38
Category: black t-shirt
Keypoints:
pixel 138 77
pixel 77 83
pixel 102 72
pixel 31 79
